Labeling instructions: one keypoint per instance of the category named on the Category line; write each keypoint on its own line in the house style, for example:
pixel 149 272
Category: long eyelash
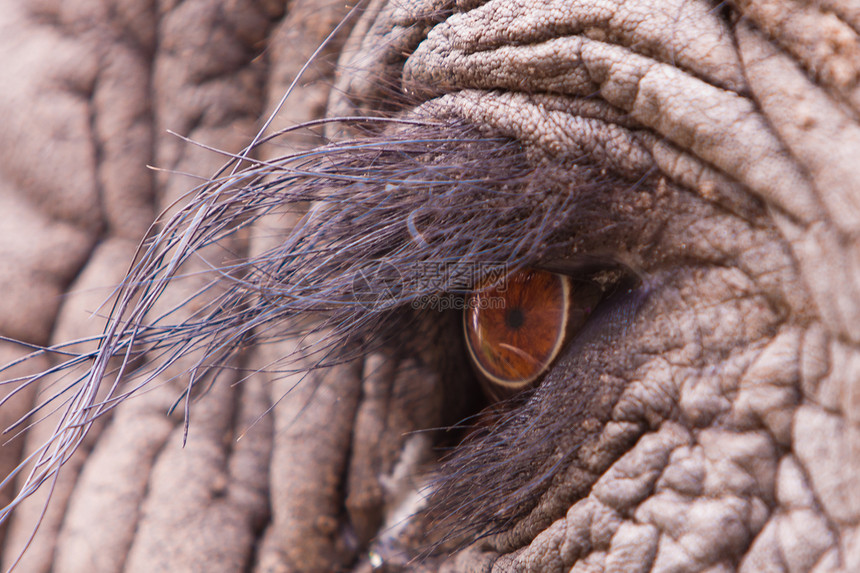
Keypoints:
pixel 459 189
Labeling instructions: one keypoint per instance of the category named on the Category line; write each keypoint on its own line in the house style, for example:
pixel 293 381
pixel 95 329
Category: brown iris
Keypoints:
pixel 515 330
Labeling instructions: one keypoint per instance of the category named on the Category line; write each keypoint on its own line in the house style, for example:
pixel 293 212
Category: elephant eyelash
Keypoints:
pixel 419 190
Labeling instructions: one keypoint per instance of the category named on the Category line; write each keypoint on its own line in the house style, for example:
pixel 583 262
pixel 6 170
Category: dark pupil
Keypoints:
pixel 515 318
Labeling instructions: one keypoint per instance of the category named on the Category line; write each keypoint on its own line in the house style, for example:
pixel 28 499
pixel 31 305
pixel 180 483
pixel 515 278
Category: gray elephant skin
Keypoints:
pixel 703 157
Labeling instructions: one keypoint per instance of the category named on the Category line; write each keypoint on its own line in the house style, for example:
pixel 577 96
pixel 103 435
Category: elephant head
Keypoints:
pixel 281 388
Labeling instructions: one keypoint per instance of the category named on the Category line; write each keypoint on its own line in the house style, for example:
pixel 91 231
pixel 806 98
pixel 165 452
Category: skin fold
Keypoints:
pixel 705 419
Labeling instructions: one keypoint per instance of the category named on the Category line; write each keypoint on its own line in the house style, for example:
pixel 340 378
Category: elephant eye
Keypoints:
pixel 516 328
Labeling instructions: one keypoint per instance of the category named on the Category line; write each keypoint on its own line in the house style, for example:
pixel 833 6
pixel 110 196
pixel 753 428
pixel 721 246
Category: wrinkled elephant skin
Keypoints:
pixel 705 418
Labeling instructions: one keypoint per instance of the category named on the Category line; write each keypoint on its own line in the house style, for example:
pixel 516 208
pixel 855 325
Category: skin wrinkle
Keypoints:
pixel 682 33
pixel 212 500
pixel 369 66
pixel 87 292
pixel 305 486
pixel 558 134
pixel 380 433
pixel 57 206
pixel 709 426
pixel 820 120
pixel 825 46
pixel 39 558
pixel 74 197
pixel 848 12
pixel 204 86
pixel 304 502
pixel 692 114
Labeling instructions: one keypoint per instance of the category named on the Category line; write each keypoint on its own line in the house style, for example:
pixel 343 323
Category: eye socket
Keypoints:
pixel 515 330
